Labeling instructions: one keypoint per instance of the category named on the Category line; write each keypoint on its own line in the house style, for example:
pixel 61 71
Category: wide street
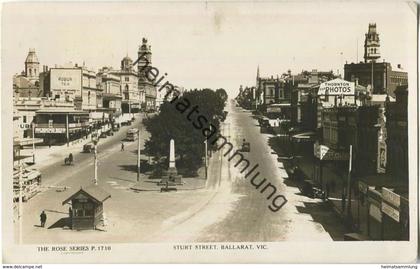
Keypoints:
pixel 228 209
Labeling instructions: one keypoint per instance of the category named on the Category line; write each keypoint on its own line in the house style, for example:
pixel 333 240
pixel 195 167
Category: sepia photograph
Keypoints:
pixel 209 131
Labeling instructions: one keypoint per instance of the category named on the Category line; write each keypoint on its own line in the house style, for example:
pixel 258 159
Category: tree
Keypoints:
pixel 178 120
pixel 222 94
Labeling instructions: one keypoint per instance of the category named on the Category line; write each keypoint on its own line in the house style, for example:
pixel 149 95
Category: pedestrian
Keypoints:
pixel 70 217
pixel 122 146
pixel 43 218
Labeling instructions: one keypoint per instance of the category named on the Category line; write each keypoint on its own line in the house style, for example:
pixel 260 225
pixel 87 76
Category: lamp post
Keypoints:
pixel 33 142
pixel 139 142
pixel 95 150
pixel 205 156
pixel 129 109
pixel 349 186
pixel 138 154
pixel 20 209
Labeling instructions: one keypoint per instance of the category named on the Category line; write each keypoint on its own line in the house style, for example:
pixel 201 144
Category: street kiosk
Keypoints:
pixel 87 207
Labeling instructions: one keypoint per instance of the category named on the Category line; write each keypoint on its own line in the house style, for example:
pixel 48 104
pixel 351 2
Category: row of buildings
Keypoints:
pixel 354 147
pixel 65 102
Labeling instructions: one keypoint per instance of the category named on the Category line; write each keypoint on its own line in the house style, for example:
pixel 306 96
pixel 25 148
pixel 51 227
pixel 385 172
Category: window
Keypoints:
pixel 127 78
pixel 24 119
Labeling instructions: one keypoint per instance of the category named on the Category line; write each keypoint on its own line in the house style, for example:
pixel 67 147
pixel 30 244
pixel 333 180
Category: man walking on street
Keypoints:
pixel 43 217
pixel 122 146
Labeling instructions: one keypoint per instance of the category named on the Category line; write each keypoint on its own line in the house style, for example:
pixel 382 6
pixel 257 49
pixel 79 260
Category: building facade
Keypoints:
pixel 397 135
pixel 110 86
pixel 27 83
pixel 132 98
pixel 379 76
pixel 144 84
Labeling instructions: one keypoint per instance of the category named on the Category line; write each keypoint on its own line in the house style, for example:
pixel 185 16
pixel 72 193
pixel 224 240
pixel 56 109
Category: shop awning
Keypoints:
pixel 29 141
pixel 306 136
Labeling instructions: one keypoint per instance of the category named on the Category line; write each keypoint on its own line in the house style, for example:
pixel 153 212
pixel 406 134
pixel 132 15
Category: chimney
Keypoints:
pixel 399 66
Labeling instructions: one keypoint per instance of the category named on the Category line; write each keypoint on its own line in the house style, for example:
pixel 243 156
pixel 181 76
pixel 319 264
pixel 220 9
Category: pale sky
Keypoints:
pixel 208 44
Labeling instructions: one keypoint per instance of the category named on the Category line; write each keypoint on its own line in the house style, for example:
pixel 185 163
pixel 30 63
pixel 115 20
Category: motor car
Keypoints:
pixel 132 134
pixel 102 135
pixel 88 147
pixel 246 147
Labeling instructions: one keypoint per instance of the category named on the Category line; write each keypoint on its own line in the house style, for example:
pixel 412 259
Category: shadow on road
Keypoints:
pixel 322 213
pixel 61 223
pixel 144 167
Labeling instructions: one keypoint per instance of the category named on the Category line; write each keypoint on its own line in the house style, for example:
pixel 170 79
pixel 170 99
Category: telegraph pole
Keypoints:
pixel 139 143
pixel 20 209
pixel 138 154
pixel 349 185
pixel 95 180
pixel 205 155
pixel 33 142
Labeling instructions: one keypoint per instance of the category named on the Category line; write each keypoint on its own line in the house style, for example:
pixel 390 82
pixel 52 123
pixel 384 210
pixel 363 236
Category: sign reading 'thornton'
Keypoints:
pixel 336 86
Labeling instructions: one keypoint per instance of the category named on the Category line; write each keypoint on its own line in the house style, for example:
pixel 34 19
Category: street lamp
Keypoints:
pixel 20 209
pixel 205 156
pixel 138 142
pixel 33 142
pixel 138 153
pixel 95 151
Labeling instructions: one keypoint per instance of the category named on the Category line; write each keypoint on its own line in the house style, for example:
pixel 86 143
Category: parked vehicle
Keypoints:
pixel 246 146
pixel 132 134
pixel 95 136
pixel 31 181
pixel 102 135
pixel 88 147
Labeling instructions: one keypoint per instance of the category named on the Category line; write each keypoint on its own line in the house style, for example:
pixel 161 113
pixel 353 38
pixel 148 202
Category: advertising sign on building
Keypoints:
pixel 336 86
pixel 324 153
pixel 320 150
pixel 50 130
pixel 24 126
pixel 381 162
pixel 375 212
pixel 391 197
pixel 390 211
pixel 66 81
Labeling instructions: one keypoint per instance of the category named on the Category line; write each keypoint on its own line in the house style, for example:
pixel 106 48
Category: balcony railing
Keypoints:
pixel 61 125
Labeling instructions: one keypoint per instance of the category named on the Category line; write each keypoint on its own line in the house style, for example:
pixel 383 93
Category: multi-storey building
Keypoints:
pixel 132 97
pixel 76 84
pixel 379 76
pixel 110 85
pixel 144 83
pixel 27 83
pixel 397 135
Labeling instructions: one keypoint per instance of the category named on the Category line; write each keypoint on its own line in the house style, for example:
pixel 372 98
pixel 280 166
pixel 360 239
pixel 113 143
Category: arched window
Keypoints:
pixel 30 72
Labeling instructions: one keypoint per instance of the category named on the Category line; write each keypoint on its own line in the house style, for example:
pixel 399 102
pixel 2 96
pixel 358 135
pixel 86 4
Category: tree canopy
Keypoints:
pixel 179 119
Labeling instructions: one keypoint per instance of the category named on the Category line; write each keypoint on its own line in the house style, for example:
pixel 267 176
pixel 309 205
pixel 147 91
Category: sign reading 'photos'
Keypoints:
pixel 337 87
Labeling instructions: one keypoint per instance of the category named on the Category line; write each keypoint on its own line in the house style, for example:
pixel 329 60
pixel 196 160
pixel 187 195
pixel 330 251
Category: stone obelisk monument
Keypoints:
pixel 172 172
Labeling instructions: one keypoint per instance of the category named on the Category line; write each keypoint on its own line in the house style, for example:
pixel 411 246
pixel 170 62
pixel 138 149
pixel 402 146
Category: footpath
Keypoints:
pixel 45 155
pixel 307 165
